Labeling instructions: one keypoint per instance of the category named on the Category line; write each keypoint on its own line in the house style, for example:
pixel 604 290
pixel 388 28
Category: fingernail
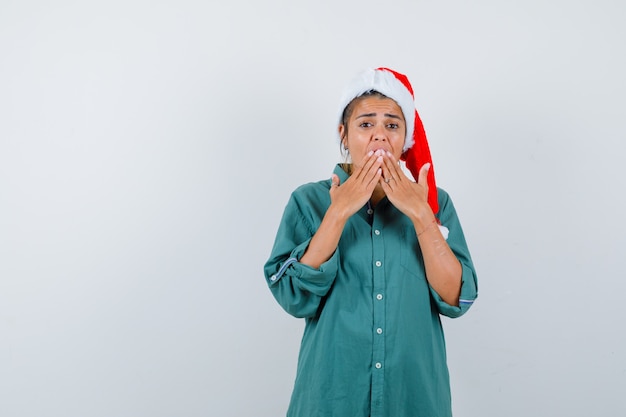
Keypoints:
pixel 370 153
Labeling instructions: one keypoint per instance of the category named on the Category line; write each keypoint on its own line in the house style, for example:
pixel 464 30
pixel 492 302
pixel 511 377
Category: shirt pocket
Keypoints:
pixel 411 259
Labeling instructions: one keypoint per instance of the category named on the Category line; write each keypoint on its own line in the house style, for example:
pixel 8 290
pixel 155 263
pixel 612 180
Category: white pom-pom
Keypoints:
pixel 444 231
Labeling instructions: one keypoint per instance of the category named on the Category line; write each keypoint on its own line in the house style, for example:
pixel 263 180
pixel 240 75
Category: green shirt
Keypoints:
pixel 373 344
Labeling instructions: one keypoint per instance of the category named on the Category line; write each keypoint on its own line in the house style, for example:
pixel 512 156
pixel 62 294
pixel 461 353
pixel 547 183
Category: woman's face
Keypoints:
pixel 375 123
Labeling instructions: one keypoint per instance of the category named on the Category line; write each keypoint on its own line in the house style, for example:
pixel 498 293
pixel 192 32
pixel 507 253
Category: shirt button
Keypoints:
pixel 378 263
pixel 379 331
pixel 377 232
pixel 379 296
pixel 370 211
pixel 378 365
pixel 273 278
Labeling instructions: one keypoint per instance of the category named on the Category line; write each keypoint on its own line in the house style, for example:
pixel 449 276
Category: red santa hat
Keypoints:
pixel 397 87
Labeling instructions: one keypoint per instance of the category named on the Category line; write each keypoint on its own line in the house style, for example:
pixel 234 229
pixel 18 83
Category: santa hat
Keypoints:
pixel 397 87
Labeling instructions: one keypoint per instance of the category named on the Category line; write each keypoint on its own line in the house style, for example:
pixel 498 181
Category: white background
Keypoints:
pixel 147 150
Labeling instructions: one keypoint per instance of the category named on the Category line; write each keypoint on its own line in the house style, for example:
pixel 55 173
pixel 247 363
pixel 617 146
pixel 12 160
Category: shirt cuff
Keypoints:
pixel 469 293
pixel 317 281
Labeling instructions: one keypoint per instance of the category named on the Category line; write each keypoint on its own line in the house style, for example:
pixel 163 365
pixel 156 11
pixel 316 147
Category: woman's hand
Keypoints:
pixel 348 198
pixel 345 200
pixel 410 197
pixel 443 269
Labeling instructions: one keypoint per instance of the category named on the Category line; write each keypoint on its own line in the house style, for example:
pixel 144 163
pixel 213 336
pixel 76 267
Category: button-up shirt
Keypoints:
pixel 373 344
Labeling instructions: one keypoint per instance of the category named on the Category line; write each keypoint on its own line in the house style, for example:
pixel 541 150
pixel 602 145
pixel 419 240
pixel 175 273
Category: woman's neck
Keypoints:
pixel 377 195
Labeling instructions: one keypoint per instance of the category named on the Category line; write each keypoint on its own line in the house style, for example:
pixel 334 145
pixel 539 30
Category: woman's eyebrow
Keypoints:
pixel 393 116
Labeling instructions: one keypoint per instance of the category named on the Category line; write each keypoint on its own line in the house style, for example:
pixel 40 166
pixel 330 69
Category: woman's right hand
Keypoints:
pixel 348 198
pixel 345 200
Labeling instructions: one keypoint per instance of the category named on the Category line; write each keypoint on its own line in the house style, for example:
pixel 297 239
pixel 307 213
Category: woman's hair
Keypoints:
pixel 345 116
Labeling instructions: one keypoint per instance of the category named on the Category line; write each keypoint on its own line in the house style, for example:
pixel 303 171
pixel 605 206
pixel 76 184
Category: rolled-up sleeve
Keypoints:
pixel 297 287
pixel 469 292
pixel 458 245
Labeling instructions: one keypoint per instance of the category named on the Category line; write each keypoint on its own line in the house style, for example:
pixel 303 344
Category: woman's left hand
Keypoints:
pixel 410 197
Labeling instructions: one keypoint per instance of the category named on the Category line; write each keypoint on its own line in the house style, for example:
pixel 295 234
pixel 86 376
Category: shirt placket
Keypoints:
pixel 378 323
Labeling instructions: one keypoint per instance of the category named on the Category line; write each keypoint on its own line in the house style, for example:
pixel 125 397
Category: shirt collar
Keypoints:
pixel 343 175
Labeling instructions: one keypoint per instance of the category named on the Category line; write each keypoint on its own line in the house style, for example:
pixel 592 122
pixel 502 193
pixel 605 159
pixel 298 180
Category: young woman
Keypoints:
pixel 371 259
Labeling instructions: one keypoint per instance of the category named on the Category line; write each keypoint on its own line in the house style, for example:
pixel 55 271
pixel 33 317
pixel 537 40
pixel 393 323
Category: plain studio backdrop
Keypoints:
pixel 148 148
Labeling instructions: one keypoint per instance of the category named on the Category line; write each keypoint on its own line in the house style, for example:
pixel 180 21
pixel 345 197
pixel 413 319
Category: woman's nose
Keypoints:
pixel 379 135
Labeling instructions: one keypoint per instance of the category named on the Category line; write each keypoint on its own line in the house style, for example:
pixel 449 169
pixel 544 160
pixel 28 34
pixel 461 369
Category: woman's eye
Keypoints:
pixel 366 124
pixel 392 125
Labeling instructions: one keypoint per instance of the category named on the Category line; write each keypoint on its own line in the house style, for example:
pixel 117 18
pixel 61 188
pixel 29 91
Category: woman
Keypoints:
pixel 371 259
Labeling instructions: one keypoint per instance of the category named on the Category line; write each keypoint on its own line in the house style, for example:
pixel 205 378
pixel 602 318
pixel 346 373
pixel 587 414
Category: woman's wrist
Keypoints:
pixel 429 226
pixel 423 219
pixel 337 214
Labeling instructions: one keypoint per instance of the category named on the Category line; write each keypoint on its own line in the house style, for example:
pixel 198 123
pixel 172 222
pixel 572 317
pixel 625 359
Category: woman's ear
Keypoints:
pixel 342 135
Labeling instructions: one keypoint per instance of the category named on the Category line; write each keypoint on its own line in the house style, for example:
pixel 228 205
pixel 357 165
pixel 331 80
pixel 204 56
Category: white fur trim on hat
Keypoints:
pixel 387 84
